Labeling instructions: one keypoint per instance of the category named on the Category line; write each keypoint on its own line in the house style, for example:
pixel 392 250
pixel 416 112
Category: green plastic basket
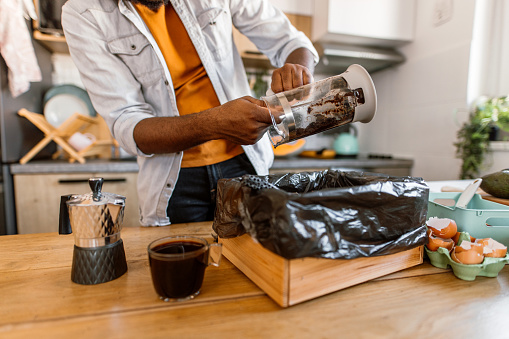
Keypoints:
pixel 481 218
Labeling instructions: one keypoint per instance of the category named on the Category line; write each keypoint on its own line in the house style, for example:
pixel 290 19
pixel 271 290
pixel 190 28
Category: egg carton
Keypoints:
pixel 490 267
pixel 481 218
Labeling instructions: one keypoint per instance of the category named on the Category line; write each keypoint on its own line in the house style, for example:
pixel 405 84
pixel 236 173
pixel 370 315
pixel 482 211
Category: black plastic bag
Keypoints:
pixel 327 214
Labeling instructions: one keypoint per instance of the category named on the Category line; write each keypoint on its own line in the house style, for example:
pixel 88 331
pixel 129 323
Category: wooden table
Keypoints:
pixel 38 300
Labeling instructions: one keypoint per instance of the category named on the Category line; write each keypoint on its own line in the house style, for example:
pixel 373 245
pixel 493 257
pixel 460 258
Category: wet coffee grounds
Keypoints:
pixel 329 113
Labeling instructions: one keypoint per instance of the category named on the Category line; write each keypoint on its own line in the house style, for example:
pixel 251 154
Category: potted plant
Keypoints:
pixel 489 115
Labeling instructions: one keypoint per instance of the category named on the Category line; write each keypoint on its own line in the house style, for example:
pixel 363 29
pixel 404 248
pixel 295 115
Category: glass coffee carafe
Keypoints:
pixel 322 105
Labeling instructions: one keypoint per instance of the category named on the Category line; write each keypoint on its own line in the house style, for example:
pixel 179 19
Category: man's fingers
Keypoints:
pixel 262 110
pixel 287 75
pixel 255 101
pixel 277 82
pixel 290 76
pixel 298 78
pixel 307 77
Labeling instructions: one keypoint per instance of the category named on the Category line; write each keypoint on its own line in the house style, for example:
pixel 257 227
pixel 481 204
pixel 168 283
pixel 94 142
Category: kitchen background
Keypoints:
pixel 455 54
pixel 430 61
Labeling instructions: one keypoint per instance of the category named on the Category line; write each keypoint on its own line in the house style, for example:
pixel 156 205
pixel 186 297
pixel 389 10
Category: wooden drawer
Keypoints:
pixel 37 197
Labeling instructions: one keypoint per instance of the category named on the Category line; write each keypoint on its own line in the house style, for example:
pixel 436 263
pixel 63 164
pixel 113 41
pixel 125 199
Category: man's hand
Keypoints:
pixel 290 76
pixel 242 121
pixel 297 71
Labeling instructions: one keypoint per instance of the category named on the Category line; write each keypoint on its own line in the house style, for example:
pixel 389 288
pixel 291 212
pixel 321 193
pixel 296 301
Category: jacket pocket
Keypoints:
pixel 216 26
pixel 137 53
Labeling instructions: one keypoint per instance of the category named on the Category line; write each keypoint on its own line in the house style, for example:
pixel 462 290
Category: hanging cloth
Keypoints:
pixel 16 48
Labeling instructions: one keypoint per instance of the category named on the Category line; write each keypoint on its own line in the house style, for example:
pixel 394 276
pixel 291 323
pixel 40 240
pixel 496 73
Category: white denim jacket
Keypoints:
pixel 128 80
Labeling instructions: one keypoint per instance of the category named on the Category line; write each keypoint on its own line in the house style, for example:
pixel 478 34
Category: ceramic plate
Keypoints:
pixel 61 102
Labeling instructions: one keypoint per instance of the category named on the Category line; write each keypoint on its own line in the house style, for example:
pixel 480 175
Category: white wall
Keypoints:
pixel 302 7
pixel 423 102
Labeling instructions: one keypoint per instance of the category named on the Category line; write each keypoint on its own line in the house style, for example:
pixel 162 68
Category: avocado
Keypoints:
pixel 497 184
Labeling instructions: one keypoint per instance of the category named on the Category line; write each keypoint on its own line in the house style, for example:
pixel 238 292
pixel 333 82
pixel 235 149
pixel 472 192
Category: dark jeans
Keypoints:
pixel 194 196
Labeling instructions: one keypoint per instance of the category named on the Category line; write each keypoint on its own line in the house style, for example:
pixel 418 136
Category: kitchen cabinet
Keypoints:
pixel 53 43
pixel 387 23
pixel 47 29
pixel 252 57
pixel 37 197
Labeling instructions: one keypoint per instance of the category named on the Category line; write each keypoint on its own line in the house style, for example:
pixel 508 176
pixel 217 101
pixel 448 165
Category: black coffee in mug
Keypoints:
pixel 178 265
pixel 181 274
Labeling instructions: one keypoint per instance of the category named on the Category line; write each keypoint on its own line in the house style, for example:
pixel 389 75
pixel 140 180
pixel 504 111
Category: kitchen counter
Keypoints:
pixel 39 183
pixel 62 166
pixel 39 300
pixel 391 166
pixel 364 163
pixel 280 164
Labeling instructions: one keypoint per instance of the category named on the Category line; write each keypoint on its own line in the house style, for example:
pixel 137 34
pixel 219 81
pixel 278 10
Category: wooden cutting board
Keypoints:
pixel 483 194
pixel 494 199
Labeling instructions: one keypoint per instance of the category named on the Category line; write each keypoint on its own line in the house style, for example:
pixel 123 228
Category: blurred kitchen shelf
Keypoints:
pixel 54 43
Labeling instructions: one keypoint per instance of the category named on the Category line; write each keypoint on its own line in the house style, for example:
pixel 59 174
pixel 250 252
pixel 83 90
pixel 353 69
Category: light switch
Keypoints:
pixel 442 12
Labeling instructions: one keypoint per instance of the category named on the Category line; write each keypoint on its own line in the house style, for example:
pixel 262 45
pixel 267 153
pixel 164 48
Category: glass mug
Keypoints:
pixel 178 264
pixel 80 141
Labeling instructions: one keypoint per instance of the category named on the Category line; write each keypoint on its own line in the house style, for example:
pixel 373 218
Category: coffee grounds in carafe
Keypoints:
pixel 329 112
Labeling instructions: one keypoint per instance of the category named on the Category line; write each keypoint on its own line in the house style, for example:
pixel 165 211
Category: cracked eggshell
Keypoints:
pixel 444 228
pixel 435 242
pixel 490 267
pixel 492 248
pixel 468 253
pixel 456 238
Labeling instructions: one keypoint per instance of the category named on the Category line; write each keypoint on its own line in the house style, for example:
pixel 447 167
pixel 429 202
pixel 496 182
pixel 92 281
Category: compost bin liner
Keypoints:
pixel 329 214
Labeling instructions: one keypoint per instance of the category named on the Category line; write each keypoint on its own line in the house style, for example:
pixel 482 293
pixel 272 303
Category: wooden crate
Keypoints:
pixel 290 282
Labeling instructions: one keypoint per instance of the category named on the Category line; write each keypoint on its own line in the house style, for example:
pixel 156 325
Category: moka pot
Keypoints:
pixel 96 220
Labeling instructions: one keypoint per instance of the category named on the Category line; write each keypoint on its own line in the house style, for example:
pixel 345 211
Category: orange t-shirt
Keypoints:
pixel 192 85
